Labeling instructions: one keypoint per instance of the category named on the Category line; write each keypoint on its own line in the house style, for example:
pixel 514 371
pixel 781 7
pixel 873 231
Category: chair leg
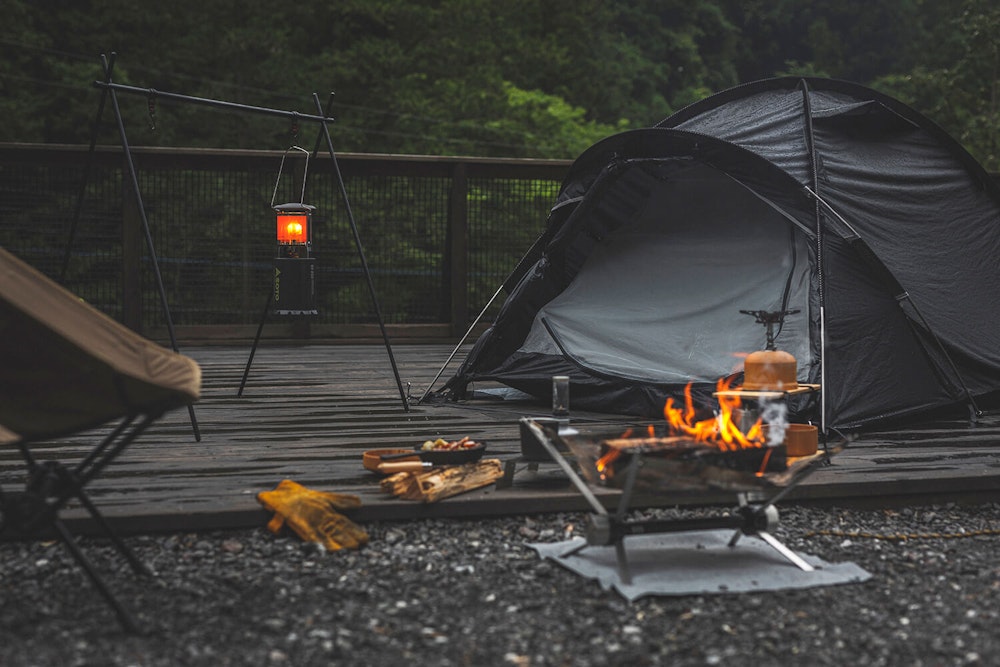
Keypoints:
pixel 124 617
pixel 51 485
pixel 52 479
pixel 137 565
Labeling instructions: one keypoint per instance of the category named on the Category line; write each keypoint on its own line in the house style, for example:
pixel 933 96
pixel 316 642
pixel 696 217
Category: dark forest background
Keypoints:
pixel 518 78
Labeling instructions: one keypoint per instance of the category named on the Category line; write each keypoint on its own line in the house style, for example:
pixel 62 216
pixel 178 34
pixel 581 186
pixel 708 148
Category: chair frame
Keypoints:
pixel 51 485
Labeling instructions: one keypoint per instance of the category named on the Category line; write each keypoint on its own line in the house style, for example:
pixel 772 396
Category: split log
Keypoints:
pixel 438 483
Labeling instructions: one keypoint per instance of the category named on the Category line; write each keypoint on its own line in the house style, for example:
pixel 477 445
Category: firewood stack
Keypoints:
pixel 432 485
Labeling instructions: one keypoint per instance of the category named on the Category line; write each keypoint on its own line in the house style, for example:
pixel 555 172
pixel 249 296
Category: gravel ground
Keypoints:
pixel 472 593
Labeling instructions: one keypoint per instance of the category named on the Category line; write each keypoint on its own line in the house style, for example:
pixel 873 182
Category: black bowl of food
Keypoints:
pixel 446 452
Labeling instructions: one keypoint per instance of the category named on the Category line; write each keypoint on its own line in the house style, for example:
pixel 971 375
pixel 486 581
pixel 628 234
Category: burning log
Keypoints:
pixel 682 463
pixel 677 463
pixel 685 472
pixel 695 453
pixel 759 459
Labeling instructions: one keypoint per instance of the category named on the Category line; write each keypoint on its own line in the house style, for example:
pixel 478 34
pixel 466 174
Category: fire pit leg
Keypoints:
pixel 756 522
pixel 574 550
pixel 748 515
pixel 784 551
pixel 623 570
pixel 603 530
pixel 626 498
pixel 557 456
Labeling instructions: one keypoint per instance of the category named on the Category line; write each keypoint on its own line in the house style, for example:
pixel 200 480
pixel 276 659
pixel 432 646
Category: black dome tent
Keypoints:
pixel 791 194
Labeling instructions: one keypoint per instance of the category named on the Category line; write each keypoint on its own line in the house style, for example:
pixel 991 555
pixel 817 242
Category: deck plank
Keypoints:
pixel 308 412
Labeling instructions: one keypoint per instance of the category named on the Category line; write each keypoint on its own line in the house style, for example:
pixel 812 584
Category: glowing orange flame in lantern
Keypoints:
pixel 292 228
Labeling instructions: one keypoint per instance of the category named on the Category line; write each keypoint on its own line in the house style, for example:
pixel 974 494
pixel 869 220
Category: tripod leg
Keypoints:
pixel 137 192
pixel 82 193
pixel 256 339
pixel 361 256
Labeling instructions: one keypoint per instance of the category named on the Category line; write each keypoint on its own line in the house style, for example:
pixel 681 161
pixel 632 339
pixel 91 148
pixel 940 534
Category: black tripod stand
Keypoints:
pixel 322 118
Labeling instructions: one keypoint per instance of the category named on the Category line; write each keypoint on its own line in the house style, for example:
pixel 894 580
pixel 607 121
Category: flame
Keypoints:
pixel 605 461
pixel 292 228
pixel 723 431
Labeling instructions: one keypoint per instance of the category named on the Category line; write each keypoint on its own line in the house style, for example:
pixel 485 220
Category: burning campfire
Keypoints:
pixel 723 430
pixel 716 441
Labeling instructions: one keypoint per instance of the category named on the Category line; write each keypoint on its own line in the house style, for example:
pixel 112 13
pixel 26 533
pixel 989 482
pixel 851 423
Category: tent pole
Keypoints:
pixel 518 271
pixel 460 343
pixel 820 264
pixel 903 295
pixel 974 411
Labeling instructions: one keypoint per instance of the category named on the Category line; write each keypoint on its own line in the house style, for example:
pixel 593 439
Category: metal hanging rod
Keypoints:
pixel 232 106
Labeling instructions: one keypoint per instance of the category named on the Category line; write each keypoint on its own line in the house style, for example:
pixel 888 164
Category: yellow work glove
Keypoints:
pixel 313 515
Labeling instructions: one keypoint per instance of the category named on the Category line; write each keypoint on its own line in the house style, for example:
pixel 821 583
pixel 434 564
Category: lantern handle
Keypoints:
pixel 305 174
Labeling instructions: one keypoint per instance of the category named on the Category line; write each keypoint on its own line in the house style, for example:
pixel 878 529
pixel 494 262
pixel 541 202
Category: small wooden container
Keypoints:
pixel 800 439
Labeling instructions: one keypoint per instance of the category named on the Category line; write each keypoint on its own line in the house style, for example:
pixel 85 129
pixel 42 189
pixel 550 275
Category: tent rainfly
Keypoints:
pixel 793 194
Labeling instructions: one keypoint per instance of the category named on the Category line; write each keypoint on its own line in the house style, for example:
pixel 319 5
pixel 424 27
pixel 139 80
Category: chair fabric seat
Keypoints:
pixel 65 366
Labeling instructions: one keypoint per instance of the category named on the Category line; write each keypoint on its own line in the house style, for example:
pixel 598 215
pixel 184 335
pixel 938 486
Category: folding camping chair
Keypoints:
pixel 66 368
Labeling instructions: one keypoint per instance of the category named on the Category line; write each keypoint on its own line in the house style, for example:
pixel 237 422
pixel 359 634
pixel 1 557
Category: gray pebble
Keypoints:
pixel 452 592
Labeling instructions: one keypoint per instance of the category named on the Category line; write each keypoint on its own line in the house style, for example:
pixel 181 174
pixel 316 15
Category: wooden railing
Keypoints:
pixel 439 234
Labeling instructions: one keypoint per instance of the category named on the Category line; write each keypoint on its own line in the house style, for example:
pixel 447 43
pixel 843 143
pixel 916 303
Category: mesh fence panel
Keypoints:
pixel 37 205
pixel 212 229
pixel 505 217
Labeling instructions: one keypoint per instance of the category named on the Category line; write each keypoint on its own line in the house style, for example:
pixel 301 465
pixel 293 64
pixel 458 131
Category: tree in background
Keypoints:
pixel 957 82
pixel 855 40
pixel 521 78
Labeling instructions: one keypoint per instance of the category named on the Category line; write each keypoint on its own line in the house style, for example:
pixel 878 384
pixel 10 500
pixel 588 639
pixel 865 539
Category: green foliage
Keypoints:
pixel 547 122
pixel 961 91
pixel 518 79
pixel 855 40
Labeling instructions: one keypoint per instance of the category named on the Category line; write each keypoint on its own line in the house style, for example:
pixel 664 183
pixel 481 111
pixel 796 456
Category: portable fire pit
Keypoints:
pixel 759 477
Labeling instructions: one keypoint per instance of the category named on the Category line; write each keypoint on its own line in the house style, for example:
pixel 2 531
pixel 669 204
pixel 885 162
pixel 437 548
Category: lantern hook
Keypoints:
pixel 305 174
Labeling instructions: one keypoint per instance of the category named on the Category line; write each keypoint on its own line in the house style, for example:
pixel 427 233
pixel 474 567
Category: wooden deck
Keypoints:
pixel 309 412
